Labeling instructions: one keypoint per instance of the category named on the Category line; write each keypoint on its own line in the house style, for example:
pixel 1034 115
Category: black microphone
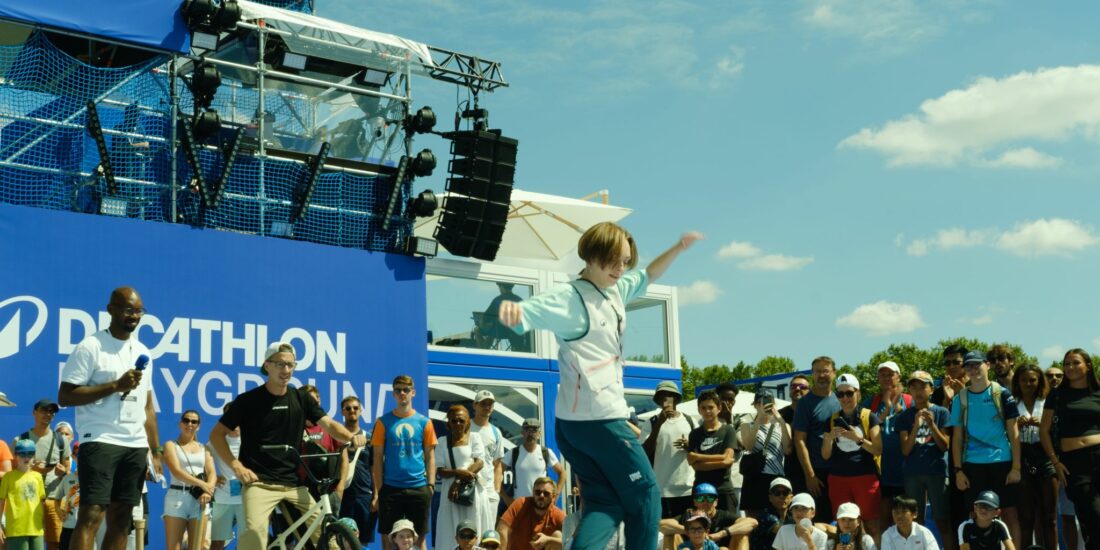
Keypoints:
pixel 142 360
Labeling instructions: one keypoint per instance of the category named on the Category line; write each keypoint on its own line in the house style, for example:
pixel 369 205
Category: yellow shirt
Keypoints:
pixel 23 493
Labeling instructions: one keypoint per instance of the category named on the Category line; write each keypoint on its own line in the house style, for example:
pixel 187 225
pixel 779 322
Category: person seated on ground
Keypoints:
pixel 848 533
pixel 490 540
pixel 906 532
pixel 801 535
pixel 725 528
pixel 769 520
pixel 697 527
pixel 466 536
pixel 403 535
pixel 984 531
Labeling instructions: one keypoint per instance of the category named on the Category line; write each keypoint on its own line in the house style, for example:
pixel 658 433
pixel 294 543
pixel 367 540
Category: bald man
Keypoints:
pixel 115 421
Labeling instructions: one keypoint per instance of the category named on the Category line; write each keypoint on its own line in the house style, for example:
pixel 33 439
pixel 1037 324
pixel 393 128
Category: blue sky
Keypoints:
pixel 867 172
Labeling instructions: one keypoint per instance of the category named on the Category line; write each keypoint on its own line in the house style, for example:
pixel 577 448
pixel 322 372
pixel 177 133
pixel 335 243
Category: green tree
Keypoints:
pixel 773 364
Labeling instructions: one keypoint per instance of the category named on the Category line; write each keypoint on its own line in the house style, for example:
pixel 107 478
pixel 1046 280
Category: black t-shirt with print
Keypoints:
pixel 702 441
pixel 267 419
pixel 983 538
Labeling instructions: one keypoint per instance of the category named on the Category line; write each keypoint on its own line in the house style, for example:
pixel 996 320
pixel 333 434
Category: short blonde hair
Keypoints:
pixel 403 379
pixel 600 245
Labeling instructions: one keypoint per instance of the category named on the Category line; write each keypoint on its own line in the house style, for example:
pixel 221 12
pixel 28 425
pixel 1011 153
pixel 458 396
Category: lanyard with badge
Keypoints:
pixel 130 411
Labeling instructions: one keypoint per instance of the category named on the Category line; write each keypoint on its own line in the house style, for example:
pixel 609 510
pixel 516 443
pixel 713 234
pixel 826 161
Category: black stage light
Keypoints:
pixel 227 16
pixel 205 80
pixel 207 124
pixel 476 210
pixel 423 163
pixel 424 205
pixel 422 122
pixel 197 12
pixel 305 194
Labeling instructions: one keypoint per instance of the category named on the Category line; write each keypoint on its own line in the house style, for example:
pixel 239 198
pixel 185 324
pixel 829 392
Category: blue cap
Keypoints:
pixel 24 446
pixel 974 357
pixel 490 536
pixel 989 498
pixel 705 489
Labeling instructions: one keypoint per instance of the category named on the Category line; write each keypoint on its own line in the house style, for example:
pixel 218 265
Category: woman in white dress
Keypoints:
pixel 467 450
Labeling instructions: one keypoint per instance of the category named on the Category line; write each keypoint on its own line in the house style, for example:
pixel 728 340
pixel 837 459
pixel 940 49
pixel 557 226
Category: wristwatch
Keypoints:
pixel 158 450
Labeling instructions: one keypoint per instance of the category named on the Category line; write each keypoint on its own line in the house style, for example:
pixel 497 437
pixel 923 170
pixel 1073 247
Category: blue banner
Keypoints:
pixel 154 24
pixel 215 301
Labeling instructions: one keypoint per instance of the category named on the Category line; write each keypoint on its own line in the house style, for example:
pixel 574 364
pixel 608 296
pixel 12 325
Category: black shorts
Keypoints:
pixel 990 477
pixel 674 507
pixel 411 504
pixel 111 473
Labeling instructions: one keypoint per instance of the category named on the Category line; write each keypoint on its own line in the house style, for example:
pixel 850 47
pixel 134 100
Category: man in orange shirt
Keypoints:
pixel 534 522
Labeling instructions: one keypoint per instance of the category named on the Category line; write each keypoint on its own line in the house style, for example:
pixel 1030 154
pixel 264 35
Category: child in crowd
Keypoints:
pixel 906 533
pixel 22 496
pixel 698 528
pixel 985 531
pixel 849 533
pixel 802 535
pixel 403 534
pixel 490 540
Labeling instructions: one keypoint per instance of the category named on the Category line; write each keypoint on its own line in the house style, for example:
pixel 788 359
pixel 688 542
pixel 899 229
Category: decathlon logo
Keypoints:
pixel 10 335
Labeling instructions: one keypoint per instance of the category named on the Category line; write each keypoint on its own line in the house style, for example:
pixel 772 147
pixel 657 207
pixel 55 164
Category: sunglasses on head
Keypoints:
pixel 705 498
pixel 846 393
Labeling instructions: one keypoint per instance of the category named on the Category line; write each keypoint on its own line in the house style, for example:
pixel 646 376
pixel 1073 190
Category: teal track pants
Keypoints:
pixel 617 483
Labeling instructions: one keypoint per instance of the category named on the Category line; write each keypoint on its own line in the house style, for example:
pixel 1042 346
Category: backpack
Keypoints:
pixel 515 459
pixel 996 391
pixel 650 444
pixel 57 443
pixel 865 421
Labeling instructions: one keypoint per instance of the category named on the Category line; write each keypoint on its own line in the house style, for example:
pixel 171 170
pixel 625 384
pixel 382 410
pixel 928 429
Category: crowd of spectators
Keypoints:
pixel 834 469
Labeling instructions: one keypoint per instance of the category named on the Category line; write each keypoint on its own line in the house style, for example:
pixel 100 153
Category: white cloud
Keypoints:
pixel 698 292
pixel 948 239
pixel 882 318
pixel 738 249
pixel 894 25
pixel 754 258
pixel 1025 157
pixel 982 320
pixel 775 262
pixel 989 122
pixel 1043 237
pixel 1053 352
pixel 1054 237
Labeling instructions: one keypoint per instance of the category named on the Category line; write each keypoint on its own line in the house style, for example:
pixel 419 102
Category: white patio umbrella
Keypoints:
pixel 541 226
pixel 743 405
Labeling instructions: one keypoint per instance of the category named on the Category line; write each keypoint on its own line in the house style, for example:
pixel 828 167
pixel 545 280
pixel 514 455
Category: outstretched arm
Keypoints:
pixel 657 267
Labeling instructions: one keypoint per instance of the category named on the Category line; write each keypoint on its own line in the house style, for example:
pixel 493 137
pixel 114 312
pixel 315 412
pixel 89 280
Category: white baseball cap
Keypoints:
pixel 780 482
pixel 483 395
pixel 848 510
pixel 889 365
pixel 849 380
pixel 804 500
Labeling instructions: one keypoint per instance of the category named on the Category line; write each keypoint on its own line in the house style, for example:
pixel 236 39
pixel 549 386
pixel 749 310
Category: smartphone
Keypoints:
pixel 768 399
pixel 843 423
pixel 845 538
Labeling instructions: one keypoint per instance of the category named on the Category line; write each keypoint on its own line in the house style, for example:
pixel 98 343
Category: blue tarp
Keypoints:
pixel 150 23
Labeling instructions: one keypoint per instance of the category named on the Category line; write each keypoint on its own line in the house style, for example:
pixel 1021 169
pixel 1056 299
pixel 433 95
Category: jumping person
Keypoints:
pixel 588 317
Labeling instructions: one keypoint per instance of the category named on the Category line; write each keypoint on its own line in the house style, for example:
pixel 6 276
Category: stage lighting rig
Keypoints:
pixel 423 164
pixel 207 21
pixel 421 122
pixel 423 205
pixel 205 80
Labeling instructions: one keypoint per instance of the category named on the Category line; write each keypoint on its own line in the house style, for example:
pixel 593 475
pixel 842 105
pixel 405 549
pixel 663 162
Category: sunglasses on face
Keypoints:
pixel 466 536
pixel 845 394
pixel 705 498
pixel 194 421
pixel 351 408
pixel 543 493
pixel 780 493
pixel 799 387
pixel 950 362
pixel 402 390
pixel 696 529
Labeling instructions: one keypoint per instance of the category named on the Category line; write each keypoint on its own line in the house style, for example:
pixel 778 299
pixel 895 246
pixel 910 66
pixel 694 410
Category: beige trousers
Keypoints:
pixel 259 500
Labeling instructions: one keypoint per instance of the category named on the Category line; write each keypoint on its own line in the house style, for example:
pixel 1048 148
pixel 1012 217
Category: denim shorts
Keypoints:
pixel 180 504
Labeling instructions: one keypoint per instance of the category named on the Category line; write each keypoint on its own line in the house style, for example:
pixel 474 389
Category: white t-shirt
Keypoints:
pixel 99 359
pixel 868 543
pixel 674 475
pixel 494 450
pixel 230 493
pixel 529 467
pixel 920 539
pixel 786 539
